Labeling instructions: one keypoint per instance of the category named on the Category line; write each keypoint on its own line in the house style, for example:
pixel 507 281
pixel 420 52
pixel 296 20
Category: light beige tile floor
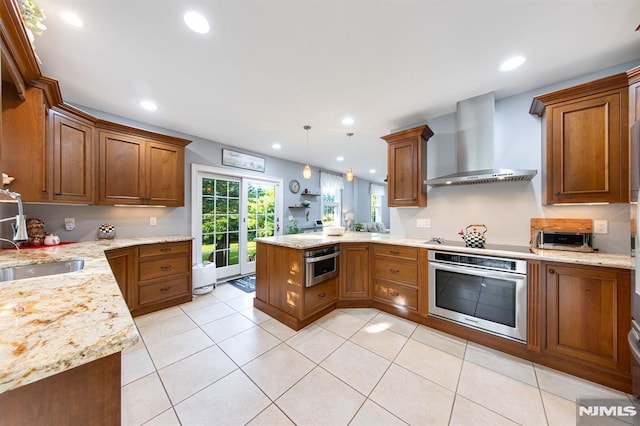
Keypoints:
pixel 218 361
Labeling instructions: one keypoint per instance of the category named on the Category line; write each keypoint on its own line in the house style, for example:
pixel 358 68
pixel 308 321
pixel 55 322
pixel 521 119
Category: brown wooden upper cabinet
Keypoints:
pixel 407 167
pixel 585 149
pixel 23 145
pixel 634 95
pixel 136 170
pixel 71 159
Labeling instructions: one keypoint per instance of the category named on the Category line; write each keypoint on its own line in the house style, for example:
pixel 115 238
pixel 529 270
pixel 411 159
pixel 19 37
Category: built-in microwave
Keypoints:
pixel 321 265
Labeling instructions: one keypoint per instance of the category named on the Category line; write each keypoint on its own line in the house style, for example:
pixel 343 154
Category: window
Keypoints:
pixel 331 186
pixel 331 206
pixel 376 208
pixel 377 192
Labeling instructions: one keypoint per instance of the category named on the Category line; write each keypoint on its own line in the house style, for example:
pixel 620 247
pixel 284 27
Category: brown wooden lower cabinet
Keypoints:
pixel 578 315
pixel 153 276
pixel 355 281
pixel 280 290
pixel 85 395
pixel 588 315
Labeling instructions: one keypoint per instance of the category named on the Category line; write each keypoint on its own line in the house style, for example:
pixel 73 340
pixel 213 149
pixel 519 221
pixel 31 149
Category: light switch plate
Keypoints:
pixel 423 223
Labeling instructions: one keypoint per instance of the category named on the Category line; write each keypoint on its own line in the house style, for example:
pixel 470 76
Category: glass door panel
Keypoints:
pixel 261 218
pixel 229 213
pixel 221 223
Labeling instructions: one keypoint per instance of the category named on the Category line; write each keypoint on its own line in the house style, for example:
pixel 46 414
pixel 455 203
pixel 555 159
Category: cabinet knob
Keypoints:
pixel 165 289
pixel 321 295
pixel 394 271
pixel 394 294
pixel 552 271
pixel 165 249
pixel 394 252
pixel 165 268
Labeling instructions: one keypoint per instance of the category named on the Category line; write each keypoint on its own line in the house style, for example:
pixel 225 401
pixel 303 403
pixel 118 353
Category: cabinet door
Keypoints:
pixel 587 150
pixel 407 167
pixel 355 280
pixel 121 176
pixel 165 174
pixel 123 266
pixel 23 142
pixel 403 180
pixel 72 164
pixel 588 314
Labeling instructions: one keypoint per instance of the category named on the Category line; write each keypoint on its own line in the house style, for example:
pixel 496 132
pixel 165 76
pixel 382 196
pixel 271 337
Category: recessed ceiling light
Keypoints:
pixel 148 105
pixel 73 19
pixel 276 146
pixel 512 63
pixel 372 171
pixel 196 22
pixel 340 158
pixel 347 121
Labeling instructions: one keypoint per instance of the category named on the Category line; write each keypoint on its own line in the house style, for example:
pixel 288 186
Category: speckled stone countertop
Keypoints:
pixel 54 323
pixel 316 239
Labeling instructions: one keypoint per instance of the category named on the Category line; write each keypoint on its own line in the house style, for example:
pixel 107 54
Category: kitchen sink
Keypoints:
pixel 40 269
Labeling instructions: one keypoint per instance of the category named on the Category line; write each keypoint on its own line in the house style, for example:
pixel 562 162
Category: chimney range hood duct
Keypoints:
pixel 475 143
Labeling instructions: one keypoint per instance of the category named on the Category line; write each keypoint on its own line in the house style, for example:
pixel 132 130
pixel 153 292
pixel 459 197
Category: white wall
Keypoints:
pixel 505 208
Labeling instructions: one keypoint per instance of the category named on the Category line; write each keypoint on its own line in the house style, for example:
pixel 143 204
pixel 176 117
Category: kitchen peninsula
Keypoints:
pixel 391 274
pixel 62 336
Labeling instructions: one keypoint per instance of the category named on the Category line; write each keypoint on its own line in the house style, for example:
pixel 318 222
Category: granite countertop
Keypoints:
pixel 54 323
pixel 316 239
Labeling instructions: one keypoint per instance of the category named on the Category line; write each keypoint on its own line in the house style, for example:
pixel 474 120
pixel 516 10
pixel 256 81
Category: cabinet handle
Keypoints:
pixel 165 268
pixel 394 271
pixel 321 295
pixel 165 289
pixel 394 294
pixel 394 252
pixel 165 249
pixel 552 271
pixel 556 194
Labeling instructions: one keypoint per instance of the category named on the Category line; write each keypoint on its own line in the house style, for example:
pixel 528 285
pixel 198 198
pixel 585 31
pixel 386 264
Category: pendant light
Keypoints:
pixel 349 170
pixel 306 172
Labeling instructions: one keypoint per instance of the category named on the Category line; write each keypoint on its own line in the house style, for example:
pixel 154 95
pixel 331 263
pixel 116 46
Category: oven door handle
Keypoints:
pixel 321 258
pixel 477 271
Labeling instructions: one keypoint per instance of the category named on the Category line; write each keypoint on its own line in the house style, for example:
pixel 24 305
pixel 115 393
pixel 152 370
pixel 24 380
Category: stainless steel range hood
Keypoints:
pixel 475 147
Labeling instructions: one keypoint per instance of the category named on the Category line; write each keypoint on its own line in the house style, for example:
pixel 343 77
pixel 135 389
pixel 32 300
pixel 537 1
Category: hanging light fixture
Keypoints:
pixel 306 172
pixel 349 170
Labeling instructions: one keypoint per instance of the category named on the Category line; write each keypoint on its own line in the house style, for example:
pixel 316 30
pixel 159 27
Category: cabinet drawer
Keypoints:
pixel 163 267
pixel 398 252
pixel 396 294
pixel 164 248
pixel 320 295
pixel 163 289
pixel 396 271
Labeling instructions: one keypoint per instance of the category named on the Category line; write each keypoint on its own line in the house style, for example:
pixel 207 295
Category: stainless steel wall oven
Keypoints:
pixel 321 265
pixel 484 292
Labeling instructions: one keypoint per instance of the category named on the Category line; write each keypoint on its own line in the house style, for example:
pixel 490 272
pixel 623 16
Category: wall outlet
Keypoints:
pixel 600 227
pixel 423 223
pixel 153 221
pixel 69 223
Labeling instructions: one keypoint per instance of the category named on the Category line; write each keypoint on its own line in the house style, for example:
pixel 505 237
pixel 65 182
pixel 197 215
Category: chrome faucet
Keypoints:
pixel 20 227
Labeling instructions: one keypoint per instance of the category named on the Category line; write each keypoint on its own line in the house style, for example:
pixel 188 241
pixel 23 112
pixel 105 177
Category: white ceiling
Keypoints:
pixel 268 67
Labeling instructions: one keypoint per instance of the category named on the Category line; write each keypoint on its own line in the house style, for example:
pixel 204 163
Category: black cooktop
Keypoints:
pixel 500 247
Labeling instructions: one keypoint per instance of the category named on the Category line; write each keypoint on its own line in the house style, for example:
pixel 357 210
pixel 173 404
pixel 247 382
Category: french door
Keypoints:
pixel 229 212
